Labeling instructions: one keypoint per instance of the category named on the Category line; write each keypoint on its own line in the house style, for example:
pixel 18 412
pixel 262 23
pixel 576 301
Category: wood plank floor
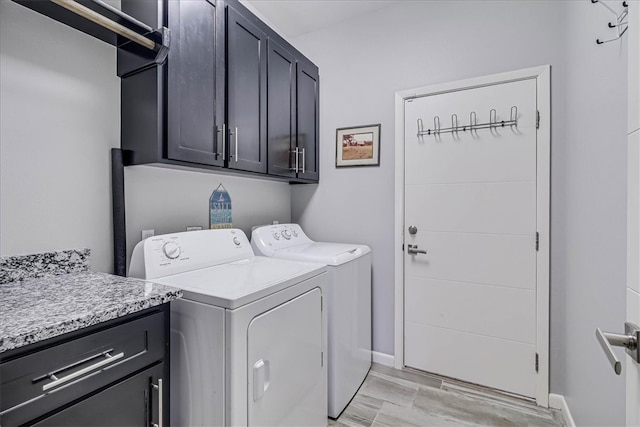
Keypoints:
pixel 392 398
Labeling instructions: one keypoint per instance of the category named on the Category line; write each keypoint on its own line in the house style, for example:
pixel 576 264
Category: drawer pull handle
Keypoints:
pixel 160 403
pixel 57 381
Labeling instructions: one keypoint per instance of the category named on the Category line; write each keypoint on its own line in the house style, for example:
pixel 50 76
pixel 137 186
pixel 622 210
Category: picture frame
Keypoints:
pixel 358 146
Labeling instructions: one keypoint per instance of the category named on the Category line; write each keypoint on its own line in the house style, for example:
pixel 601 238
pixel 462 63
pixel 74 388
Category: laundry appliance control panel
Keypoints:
pixel 280 236
pixel 168 254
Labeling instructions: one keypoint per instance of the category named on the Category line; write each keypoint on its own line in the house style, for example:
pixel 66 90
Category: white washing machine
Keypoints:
pixel 349 302
pixel 248 339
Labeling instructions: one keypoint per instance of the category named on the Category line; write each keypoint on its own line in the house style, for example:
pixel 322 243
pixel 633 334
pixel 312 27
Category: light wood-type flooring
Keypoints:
pixel 390 397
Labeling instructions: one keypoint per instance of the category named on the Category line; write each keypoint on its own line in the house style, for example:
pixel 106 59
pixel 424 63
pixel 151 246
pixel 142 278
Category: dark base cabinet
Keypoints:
pixel 131 402
pixel 111 374
pixel 232 95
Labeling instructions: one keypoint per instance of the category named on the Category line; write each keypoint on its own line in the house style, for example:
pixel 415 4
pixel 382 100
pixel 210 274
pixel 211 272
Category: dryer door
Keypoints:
pixel 287 379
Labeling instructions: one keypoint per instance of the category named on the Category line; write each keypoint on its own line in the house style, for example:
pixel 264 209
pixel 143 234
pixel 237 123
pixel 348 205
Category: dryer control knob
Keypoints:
pixel 294 232
pixel 171 250
pixel 236 241
pixel 276 236
pixel 286 234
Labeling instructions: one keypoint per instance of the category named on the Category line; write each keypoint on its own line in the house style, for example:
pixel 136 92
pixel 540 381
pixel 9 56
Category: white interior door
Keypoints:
pixel 633 206
pixel 287 381
pixel 470 301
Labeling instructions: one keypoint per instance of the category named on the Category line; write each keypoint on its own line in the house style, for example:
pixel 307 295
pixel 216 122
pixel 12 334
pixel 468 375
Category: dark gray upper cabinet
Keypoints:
pixel 247 93
pixel 232 93
pixel 293 116
pixel 308 119
pixel 195 84
pixel 281 111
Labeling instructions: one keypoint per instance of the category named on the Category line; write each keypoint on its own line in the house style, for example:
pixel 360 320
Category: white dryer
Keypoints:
pixel 248 339
pixel 349 302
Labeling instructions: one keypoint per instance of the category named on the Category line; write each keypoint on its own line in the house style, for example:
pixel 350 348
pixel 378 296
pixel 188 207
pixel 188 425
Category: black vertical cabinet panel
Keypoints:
pixel 192 83
pixel 132 402
pixel 308 119
pixel 281 111
pixel 246 94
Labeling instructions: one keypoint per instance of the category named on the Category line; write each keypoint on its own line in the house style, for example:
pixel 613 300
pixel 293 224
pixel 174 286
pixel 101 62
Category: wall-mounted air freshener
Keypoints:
pixel 220 209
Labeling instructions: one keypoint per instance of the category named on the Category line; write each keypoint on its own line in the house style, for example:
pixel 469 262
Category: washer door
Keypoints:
pixel 287 379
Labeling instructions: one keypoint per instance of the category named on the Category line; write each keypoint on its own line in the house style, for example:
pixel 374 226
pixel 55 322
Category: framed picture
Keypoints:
pixel 358 146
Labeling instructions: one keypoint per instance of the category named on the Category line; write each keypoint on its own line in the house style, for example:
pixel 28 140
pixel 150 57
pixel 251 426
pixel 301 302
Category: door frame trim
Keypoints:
pixel 542 74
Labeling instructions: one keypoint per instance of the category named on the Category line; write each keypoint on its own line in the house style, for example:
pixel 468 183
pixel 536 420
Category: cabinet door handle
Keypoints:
pixel 160 403
pixel 303 168
pixel 224 141
pixel 108 360
pixel 236 135
pixel 295 153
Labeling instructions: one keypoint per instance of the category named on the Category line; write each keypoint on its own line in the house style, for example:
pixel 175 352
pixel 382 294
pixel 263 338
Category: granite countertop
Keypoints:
pixel 42 301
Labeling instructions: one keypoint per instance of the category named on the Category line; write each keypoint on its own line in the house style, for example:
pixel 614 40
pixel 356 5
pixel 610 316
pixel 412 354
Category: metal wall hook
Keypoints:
pixel 513 116
pixel 473 120
pixel 493 116
pixel 473 123
pixel 598 41
pixel 618 23
pixel 454 123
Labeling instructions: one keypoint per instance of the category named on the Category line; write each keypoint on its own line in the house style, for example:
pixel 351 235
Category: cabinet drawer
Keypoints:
pixel 39 382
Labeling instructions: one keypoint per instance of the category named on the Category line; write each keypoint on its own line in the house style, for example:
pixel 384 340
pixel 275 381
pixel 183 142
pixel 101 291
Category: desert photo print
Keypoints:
pixel 357 146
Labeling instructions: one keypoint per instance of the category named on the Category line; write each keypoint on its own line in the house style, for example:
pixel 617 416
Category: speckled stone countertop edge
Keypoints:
pixel 26 323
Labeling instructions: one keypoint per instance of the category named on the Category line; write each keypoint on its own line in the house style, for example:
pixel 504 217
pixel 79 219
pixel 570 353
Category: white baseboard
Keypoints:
pixel 557 401
pixel 383 358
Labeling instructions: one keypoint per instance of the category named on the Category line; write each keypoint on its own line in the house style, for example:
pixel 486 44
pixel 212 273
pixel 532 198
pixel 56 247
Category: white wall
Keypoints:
pixel 594 213
pixel 364 62
pixel 168 201
pixel 59 116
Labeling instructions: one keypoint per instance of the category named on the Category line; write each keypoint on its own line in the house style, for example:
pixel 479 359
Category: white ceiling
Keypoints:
pixel 297 17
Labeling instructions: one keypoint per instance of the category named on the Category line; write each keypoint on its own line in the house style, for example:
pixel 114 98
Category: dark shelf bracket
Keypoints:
pixel 103 21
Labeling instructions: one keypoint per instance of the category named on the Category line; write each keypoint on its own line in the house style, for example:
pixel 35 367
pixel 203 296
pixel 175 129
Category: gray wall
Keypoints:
pixel 414 44
pixel 59 117
pixel 592 227
pixel 169 200
pixel 364 63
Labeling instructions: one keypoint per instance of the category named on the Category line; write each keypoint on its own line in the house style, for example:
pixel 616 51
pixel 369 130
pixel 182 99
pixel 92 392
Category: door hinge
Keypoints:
pixel 537 362
pixel 537 241
pixel 537 119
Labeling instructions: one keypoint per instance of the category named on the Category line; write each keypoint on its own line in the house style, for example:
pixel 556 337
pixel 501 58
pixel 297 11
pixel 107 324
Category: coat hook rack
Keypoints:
pixel 473 123
pixel 619 23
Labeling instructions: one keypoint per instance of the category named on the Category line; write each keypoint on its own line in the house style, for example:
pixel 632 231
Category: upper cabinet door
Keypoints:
pixel 308 120
pixel 247 94
pixel 192 83
pixel 281 112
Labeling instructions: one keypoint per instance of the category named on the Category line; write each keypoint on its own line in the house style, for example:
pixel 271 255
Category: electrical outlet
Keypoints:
pixel 147 233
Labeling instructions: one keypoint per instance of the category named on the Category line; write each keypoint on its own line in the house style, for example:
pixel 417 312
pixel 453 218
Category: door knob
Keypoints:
pixel 629 340
pixel 413 229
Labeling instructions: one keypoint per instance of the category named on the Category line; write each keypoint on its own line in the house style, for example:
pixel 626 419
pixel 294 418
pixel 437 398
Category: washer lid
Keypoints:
pixel 326 253
pixel 237 283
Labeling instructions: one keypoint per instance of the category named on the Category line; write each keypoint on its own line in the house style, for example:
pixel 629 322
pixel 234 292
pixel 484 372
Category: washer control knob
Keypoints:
pixel 286 234
pixel 294 232
pixel 276 236
pixel 236 241
pixel 171 250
